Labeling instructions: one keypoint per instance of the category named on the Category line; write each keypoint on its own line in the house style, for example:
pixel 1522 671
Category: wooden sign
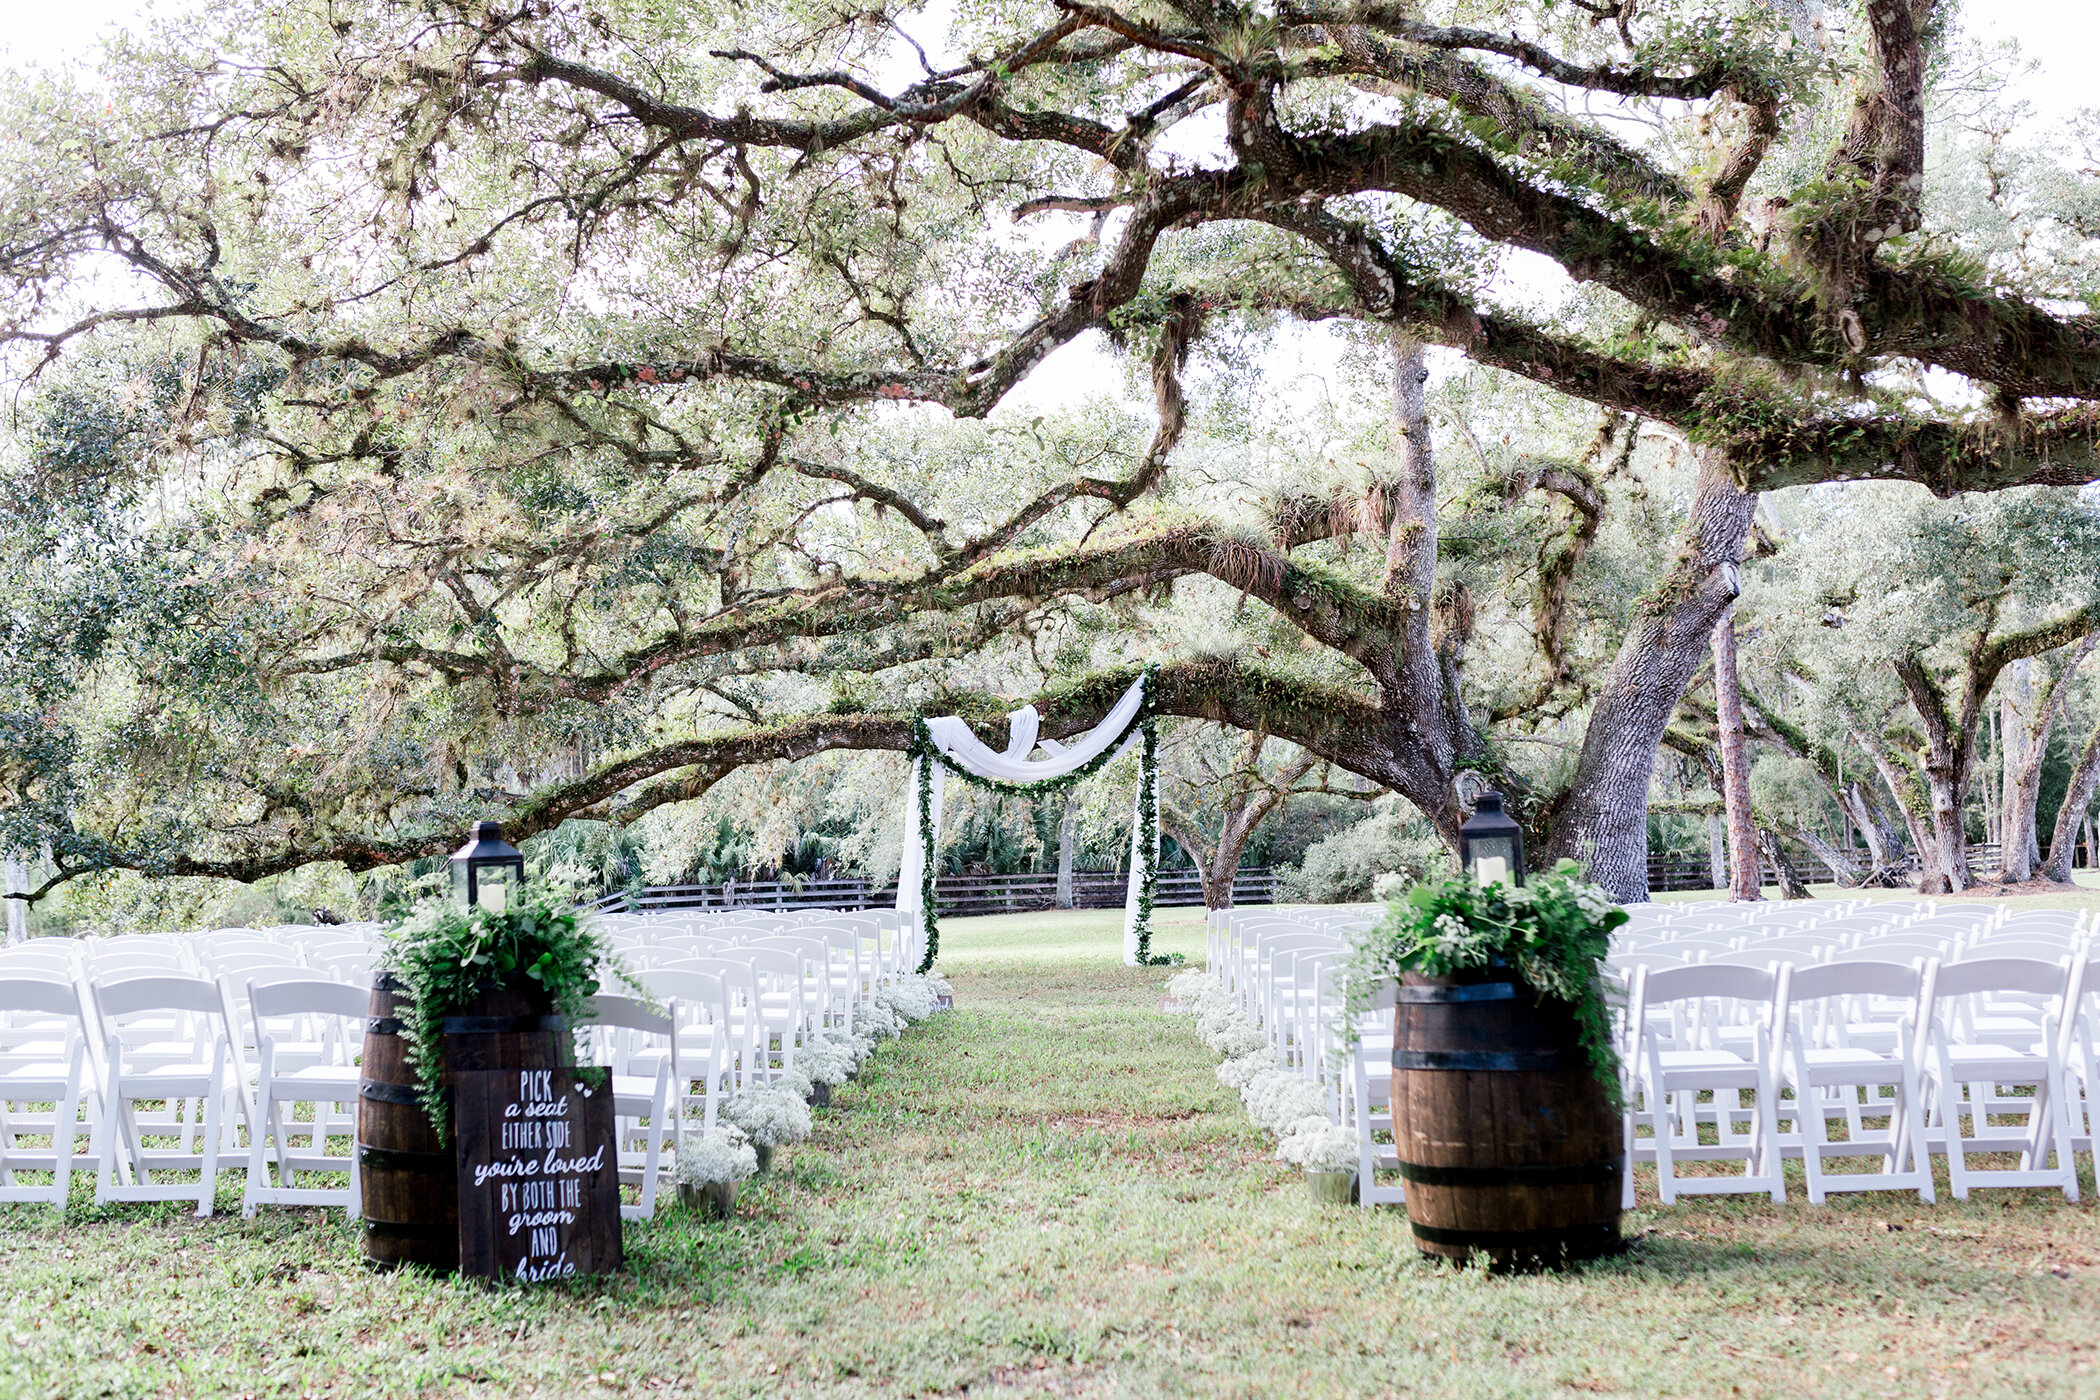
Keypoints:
pixel 539 1180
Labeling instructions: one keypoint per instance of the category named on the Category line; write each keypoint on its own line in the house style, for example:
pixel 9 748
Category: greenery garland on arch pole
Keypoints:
pixel 924 751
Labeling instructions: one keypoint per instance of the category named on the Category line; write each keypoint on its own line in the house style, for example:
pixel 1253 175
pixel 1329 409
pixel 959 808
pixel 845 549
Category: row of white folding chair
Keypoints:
pixel 306 1034
pixel 1226 930
pixel 110 959
pixel 1241 950
pixel 717 1027
pixel 1814 1032
pixel 866 949
pixel 839 977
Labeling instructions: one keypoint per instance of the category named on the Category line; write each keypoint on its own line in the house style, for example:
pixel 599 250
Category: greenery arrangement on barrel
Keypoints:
pixel 1553 933
pixel 443 956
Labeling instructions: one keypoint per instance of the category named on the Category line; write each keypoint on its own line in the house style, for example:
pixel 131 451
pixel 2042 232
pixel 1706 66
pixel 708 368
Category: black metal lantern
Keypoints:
pixel 1491 845
pixel 487 871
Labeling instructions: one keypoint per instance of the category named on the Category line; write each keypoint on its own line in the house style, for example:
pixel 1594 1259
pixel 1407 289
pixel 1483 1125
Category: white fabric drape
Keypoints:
pixel 957 745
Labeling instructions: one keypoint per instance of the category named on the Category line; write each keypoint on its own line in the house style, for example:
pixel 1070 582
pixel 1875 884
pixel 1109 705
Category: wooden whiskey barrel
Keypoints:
pixel 409 1178
pixel 1507 1141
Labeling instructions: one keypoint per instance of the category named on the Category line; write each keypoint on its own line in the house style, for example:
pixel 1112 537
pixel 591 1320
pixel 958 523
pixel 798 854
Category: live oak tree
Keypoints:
pixel 1217 786
pixel 1903 629
pixel 560 394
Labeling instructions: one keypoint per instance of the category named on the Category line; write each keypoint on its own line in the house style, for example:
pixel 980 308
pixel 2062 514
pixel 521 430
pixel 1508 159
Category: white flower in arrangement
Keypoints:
pixel 1195 991
pixel 1278 1098
pixel 796 1081
pixel 770 1117
pixel 1239 1037
pixel 1452 933
pixel 1389 887
pixel 1317 1144
pixel 722 1154
pixel 1225 1026
pixel 827 1060
pixel 910 997
pixel 1182 985
pixel 878 1022
pixel 1236 1073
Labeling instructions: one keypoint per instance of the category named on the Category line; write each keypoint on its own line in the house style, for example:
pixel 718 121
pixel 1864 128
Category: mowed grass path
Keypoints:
pixel 1047 1193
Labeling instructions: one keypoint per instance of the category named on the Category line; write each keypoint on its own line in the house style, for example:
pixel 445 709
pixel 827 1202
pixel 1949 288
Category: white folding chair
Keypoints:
pixel 713 1049
pixel 641 1048
pixel 308 1034
pixel 1974 1049
pixel 1371 1104
pixel 48 1070
pixel 194 1067
pixel 1834 1078
pixel 1683 1015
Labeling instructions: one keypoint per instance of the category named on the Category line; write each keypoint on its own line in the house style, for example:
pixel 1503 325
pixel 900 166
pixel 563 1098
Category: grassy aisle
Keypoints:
pixel 1046 1193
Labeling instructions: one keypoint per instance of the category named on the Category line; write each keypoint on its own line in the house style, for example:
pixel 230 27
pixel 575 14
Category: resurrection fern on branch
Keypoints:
pixel 1554 933
pixel 443 957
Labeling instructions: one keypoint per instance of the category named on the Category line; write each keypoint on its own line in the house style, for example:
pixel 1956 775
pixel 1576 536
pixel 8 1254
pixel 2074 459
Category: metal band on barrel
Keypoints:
pixel 1471 991
pixel 1504 1061
pixel 502 1025
pixel 394 1159
pixel 1554 1174
pixel 382 1092
pixel 1575 1239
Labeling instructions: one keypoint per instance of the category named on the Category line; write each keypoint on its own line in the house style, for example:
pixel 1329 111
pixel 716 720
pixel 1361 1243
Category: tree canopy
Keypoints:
pixel 552 408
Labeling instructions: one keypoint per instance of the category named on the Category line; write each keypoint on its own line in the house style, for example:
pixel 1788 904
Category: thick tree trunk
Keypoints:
pixel 1882 839
pixel 1948 759
pixel 1717 849
pixel 2028 719
pixel 1946 853
pixel 1791 885
pixel 1433 734
pixel 1743 882
pixel 1604 822
pixel 1249 799
pixel 1067 839
pixel 2085 779
pixel 1843 870
pixel 2026 713
pixel 1992 827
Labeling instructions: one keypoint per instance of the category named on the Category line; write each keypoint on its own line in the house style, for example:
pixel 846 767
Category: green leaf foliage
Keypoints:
pixel 1553 933
pixel 444 957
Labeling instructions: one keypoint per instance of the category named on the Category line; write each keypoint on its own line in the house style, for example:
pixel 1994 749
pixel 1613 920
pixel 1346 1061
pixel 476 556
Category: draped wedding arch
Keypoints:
pixel 946 745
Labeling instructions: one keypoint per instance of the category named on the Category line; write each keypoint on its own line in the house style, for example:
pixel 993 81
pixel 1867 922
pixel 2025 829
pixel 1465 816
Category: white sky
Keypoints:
pixel 2062 36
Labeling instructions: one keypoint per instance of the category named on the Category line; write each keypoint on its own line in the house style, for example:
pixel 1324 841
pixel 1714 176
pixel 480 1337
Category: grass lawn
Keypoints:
pixel 1046 1193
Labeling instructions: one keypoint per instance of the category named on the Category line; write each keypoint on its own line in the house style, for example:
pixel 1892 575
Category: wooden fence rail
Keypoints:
pixel 957 894
pixel 1683 870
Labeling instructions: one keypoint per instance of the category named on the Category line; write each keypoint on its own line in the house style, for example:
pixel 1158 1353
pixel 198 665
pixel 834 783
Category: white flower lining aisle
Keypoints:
pixel 139 1058
pixel 1863 1039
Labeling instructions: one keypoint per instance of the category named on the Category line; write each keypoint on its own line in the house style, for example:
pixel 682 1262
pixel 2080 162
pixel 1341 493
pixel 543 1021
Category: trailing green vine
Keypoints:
pixel 925 752
pixel 1148 822
pixel 443 957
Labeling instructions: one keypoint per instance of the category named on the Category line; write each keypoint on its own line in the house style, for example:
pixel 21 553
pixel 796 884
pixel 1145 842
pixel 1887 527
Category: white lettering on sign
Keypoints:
pixel 534 1169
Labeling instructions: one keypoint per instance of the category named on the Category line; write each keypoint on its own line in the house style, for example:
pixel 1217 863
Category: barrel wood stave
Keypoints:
pixel 1508 1141
pixel 409 1178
